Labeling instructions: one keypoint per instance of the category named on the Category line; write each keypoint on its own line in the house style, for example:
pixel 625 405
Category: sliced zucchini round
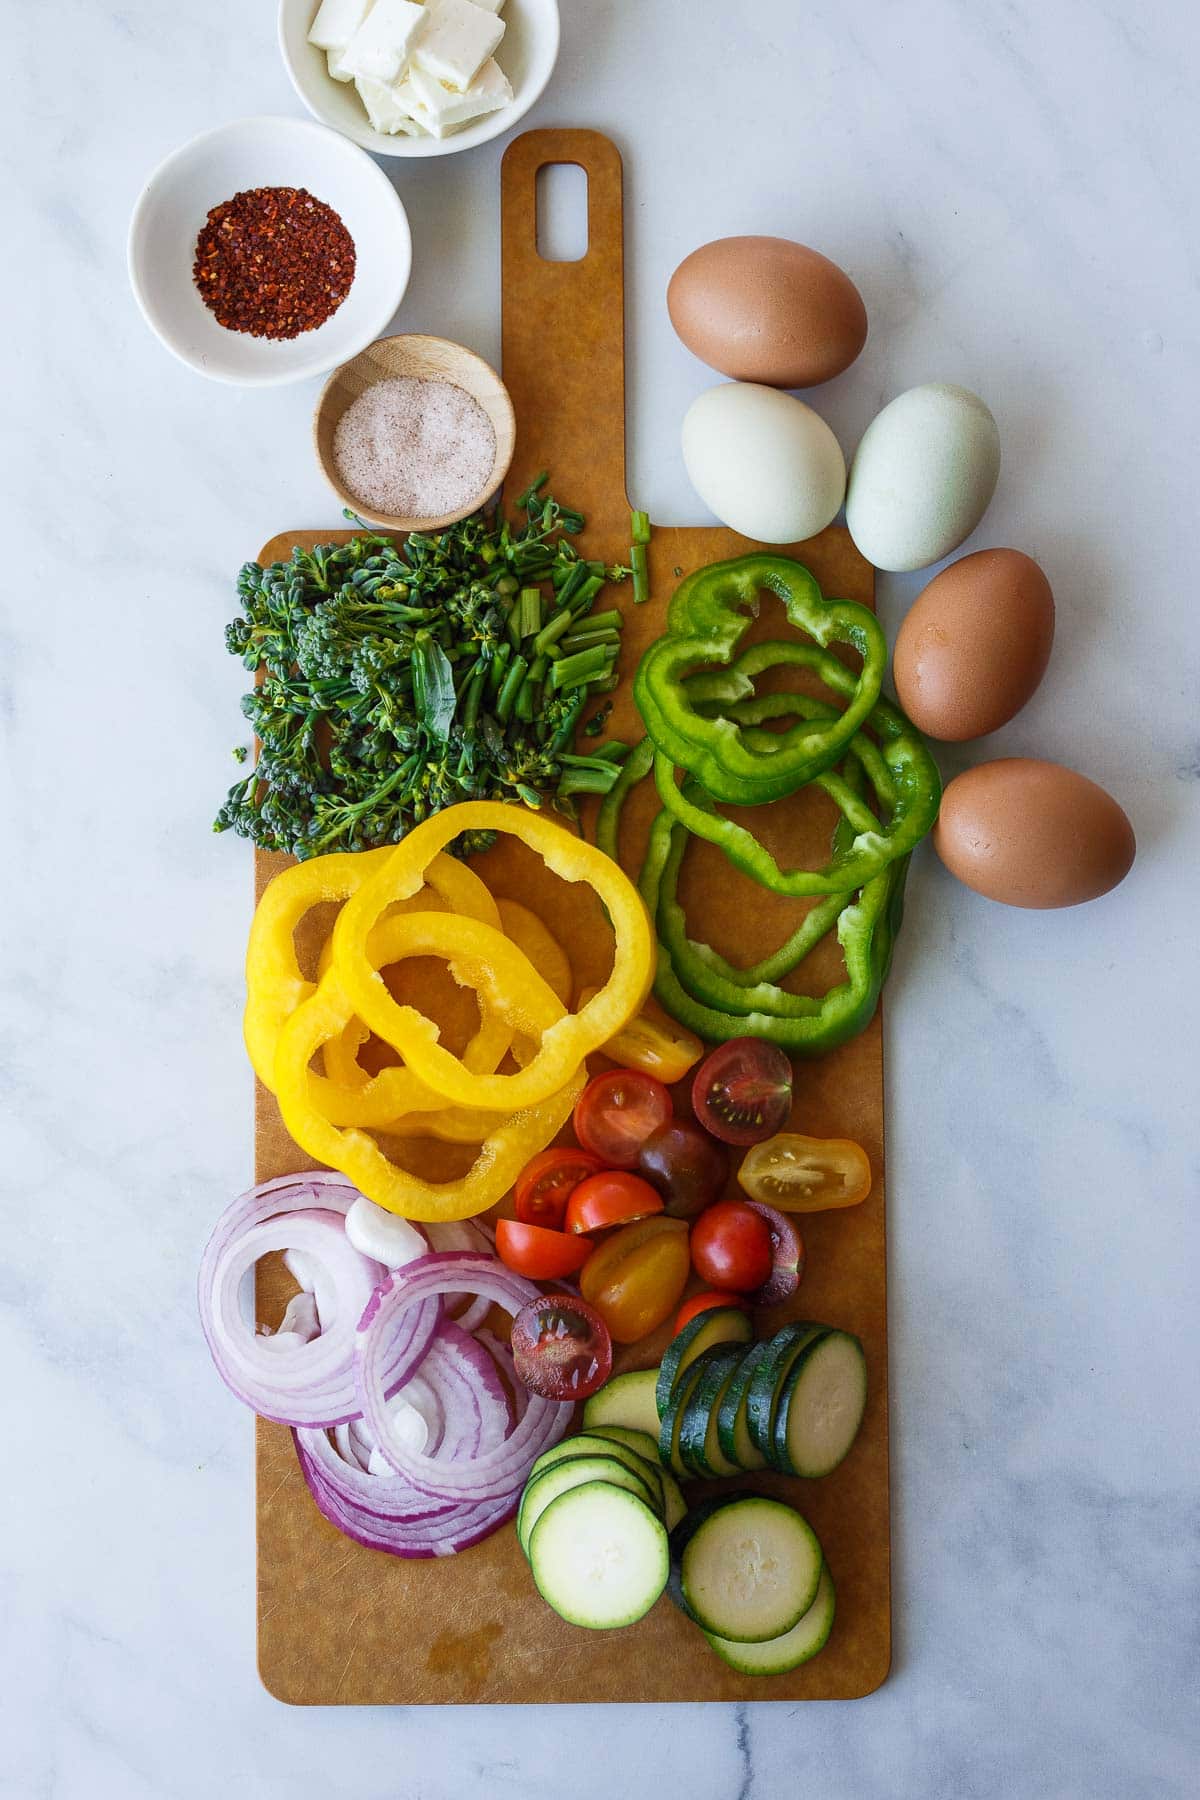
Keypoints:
pixel 599 1556
pixel 573 1472
pixel 587 1443
pixel 699 1450
pixel 799 1645
pixel 672 1419
pixel 821 1406
pixel 745 1568
pixel 733 1431
pixel 625 1400
pixel 708 1330
pixel 674 1504
pixel 770 1372
pixel 630 1443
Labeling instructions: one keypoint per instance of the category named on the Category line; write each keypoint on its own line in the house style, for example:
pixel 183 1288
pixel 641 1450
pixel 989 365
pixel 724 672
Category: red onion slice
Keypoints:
pixel 299 1383
pixel 389 1338
pixel 441 1532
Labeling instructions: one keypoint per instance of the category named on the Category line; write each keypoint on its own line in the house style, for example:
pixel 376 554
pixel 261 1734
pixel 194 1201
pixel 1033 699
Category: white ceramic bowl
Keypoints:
pixel 266 152
pixel 527 54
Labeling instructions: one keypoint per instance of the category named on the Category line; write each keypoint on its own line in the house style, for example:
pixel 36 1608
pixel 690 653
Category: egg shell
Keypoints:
pixel 922 476
pixel 769 310
pixel 765 463
pixel 1033 834
pixel 974 645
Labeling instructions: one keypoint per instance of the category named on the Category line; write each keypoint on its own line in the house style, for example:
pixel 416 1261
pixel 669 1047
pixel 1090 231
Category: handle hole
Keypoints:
pixel 562 212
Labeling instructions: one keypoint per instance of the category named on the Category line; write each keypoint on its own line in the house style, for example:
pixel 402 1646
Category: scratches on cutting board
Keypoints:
pixel 466 1655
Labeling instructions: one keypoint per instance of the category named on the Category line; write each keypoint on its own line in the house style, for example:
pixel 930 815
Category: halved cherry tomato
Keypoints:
pixel 546 1184
pixel 704 1303
pixel 657 1047
pixel 731 1246
pixel 688 1168
pixel 561 1347
pixel 742 1092
pixel 542 1255
pixel 613 1198
pixel 787 1256
pixel 806 1174
pixel 634 1279
pixel 617 1112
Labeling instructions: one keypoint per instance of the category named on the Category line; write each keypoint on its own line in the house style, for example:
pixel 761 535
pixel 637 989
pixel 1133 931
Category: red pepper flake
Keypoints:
pixel 274 262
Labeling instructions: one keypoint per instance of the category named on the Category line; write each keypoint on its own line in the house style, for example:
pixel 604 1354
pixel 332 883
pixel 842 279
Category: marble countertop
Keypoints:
pixel 1012 186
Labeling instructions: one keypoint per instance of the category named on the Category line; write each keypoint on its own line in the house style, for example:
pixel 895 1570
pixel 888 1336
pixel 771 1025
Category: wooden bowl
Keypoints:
pixel 429 359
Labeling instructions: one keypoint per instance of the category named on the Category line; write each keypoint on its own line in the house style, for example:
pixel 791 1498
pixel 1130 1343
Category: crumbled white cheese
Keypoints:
pixel 457 41
pixel 441 109
pixel 336 23
pixel 385 109
pixel 381 46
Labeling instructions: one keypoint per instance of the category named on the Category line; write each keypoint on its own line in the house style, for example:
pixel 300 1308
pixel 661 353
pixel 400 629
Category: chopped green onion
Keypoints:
pixel 574 671
pixel 512 686
pixel 530 612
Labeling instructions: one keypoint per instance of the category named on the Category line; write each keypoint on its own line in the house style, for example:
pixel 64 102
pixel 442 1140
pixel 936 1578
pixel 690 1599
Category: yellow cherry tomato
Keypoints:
pixel 664 1050
pixel 803 1174
pixel 636 1277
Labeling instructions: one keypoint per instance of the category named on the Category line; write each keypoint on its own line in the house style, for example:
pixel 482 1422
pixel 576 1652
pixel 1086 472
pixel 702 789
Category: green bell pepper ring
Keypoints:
pixel 707 618
pixel 900 768
pixel 864 932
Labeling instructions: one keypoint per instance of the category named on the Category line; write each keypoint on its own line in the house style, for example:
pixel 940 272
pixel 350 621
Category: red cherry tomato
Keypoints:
pixel 542 1255
pixel 742 1092
pixel 617 1112
pixel 731 1247
pixel 561 1347
pixel 704 1302
pixel 614 1198
pixel 545 1185
pixel 685 1165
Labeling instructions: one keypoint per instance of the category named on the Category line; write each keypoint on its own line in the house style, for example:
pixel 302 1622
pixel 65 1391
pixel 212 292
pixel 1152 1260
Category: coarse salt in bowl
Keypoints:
pixel 262 153
pixel 391 443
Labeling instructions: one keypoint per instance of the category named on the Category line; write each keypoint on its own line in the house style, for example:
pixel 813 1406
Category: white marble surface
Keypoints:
pixel 1013 187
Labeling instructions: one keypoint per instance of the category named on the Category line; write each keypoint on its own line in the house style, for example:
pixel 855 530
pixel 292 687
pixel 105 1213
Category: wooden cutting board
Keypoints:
pixel 341 1624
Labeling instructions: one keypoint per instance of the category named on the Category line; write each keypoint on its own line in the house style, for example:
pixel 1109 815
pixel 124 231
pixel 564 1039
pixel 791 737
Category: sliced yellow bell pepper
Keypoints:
pixel 534 937
pixel 507 1143
pixel 564 1044
pixel 275 985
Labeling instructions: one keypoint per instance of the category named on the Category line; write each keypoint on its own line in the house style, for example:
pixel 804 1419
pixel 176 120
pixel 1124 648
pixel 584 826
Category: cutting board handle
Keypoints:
pixel 563 330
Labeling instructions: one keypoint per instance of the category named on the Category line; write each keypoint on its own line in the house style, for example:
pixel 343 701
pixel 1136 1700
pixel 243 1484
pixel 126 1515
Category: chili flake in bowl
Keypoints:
pixel 268 251
pixel 273 262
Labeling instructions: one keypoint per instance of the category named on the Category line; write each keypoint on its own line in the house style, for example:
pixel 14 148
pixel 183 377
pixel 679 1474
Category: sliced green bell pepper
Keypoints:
pixel 708 616
pixel 803 1025
pixel 900 769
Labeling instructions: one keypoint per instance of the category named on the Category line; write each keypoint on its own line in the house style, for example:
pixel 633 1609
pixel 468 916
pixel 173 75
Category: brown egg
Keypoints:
pixel 974 645
pixel 765 309
pixel 1032 833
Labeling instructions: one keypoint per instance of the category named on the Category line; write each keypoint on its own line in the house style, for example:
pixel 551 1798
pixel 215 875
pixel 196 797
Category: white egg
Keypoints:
pixel 764 463
pixel 922 476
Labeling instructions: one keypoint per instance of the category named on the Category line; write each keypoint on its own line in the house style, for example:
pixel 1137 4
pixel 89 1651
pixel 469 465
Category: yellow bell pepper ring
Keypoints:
pixel 534 937
pixel 382 1101
pixel 275 985
pixel 564 1044
pixel 507 1142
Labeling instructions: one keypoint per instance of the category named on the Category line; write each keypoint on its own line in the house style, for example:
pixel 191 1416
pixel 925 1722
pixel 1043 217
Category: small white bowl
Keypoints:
pixel 527 54
pixel 253 153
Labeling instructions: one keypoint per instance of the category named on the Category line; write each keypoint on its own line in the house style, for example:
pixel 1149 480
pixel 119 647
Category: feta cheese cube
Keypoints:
pixel 492 6
pixel 457 41
pixel 336 23
pixel 440 109
pixel 385 109
pixel 381 46
pixel 334 59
